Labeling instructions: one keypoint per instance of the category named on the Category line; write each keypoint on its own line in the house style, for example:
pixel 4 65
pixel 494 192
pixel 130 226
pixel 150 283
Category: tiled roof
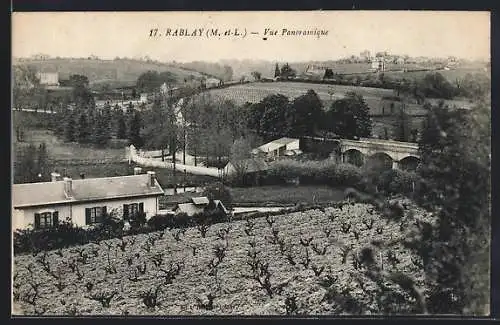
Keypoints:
pixel 273 145
pixel 34 194
pixel 200 200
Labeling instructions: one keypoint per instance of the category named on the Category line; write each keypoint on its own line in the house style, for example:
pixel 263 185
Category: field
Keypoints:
pixel 72 159
pixel 291 195
pixel 255 92
pixel 303 255
pixel 60 150
pixel 121 72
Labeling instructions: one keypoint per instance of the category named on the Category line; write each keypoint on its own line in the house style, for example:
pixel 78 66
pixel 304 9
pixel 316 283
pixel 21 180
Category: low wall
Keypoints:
pixel 149 162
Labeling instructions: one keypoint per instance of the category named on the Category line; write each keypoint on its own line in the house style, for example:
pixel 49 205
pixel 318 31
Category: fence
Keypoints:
pixel 133 155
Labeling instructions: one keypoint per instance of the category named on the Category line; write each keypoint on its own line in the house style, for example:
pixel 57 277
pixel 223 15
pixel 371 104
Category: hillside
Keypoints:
pixel 255 92
pixel 118 72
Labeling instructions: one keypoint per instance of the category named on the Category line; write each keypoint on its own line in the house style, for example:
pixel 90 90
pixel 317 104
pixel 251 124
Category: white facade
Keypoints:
pixel 48 78
pixel 24 218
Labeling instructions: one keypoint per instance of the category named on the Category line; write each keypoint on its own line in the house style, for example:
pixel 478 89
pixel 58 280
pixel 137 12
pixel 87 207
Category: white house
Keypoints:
pixel 48 78
pixel 212 82
pixel 278 148
pixel 378 64
pixel 83 201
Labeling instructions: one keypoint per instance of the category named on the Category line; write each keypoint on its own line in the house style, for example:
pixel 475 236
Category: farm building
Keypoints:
pixel 200 205
pixel 212 82
pixel 251 165
pixel 83 201
pixel 378 64
pixel 48 78
pixel 278 148
pixel 248 169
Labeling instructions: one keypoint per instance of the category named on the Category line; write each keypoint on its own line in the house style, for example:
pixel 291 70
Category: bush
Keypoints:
pixel 397 182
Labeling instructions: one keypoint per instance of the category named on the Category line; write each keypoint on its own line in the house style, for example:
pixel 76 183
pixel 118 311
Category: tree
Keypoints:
pixel 42 163
pixel 82 96
pixel 217 191
pixel 101 132
pixel 69 126
pixel 349 117
pixel 240 152
pixel 25 169
pixel 287 72
pixel 158 126
pixel 455 151
pixel 328 74
pixel 83 128
pixel 402 131
pixel 256 75
pixel 228 73
pixel 306 114
pixel 134 131
pixel 434 85
pixel 274 118
pixel 277 71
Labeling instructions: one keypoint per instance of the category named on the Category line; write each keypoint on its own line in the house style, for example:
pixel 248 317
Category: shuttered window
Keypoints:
pixel 132 209
pixel 46 220
pixel 94 215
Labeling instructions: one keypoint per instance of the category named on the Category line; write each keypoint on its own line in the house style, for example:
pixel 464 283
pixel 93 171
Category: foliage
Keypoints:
pixel 287 72
pixel 306 114
pixel 151 81
pixel 455 151
pixel 349 117
pixel 33 166
pixel 240 152
pixel 217 191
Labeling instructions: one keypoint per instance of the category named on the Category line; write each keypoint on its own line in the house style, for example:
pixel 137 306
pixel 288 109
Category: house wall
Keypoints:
pixel 47 78
pixel 295 145
pixel 25 218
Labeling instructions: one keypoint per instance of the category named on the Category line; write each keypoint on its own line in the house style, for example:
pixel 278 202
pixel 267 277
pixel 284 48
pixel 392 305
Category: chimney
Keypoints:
pixel 54 177
pixel 68 187
pixel 151 179
pixel 137 170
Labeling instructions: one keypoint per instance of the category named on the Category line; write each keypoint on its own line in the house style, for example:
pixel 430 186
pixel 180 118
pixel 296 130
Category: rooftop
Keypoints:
pixel 90 189
pixel 273 145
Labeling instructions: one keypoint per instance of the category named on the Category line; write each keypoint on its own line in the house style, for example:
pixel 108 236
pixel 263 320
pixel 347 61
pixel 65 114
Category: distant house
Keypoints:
pixel 278 148
pixel 400 61
pixel 212 82
pixel 378 64
pixel 83 201
pixel 314 71
pixel 249 166
pixel 200 205
pixel 48 78
pixel 164 88
pixel 144 97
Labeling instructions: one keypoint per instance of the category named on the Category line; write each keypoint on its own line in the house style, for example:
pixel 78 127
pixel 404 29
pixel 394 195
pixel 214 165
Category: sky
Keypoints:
pixel 127 34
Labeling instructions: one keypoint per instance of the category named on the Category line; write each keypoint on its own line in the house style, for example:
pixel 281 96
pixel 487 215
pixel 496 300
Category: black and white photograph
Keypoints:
pixel 251 163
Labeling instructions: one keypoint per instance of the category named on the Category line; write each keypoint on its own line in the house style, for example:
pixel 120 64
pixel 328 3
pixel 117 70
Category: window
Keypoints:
pixel 132 209
pixel 46 220
pixel 94 215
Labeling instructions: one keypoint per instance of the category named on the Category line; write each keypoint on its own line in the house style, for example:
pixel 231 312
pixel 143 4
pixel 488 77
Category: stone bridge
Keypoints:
pixel 402 154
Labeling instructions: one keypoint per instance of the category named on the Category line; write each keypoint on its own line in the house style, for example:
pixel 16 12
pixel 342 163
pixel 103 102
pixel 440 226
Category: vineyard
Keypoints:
pixel 322 261
pixel 255 92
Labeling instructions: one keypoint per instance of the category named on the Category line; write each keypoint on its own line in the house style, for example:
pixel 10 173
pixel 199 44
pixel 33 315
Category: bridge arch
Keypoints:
pixel 409 163
pixel 380 161
pixel 353 156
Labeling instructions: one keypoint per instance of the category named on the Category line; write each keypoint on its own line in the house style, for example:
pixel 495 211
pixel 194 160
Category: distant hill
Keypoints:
pixel 118 72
